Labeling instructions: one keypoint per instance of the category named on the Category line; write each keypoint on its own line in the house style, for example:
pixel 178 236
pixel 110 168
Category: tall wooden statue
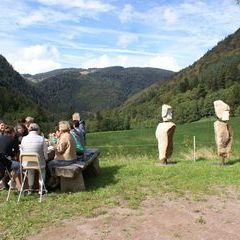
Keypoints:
pixel 223 132
pixel 164 134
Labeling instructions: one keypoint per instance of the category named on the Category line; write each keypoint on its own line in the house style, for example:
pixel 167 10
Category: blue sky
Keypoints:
pixel 42 35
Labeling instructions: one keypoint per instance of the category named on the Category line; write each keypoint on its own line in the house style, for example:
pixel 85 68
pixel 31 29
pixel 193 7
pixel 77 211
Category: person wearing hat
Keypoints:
pixel 65 150
pixel 33 142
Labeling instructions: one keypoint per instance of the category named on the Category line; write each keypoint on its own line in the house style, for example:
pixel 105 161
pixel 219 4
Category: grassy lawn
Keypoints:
pixel 128 176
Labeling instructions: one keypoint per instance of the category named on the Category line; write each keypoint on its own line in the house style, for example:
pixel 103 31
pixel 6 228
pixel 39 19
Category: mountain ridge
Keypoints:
pixel 92 90
pixel 191 91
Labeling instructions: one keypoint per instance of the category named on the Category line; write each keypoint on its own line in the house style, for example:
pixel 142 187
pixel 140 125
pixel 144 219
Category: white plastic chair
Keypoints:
pixel 31 161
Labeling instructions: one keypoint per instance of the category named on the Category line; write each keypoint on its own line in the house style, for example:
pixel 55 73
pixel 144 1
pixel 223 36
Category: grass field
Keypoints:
pixel 128 176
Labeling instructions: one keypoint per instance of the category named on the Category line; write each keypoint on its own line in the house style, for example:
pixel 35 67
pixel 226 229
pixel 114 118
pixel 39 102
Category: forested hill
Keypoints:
pixel 92 90
pixel 191 92
pixel 18 97
pixel 42 76
pixel 14 81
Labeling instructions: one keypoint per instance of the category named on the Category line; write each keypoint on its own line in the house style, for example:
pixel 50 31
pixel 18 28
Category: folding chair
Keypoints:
pixel 31 161
pixel 11 184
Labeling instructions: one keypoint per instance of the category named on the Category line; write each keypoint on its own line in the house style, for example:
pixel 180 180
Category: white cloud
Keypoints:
pixel 165 62
pixel 35 59
pixel 94 5
pixel 49 12
pixel 160 61
pixel 127 13
pixel 170 16
pixel 183 29
pixel 125 40
pixel 44 15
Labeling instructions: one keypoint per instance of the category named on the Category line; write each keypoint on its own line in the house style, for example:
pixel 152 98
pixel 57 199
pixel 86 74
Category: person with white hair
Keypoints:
pixel 164 134
pixel 65 150
pixel 222 130
pixel 33 142
pixel 28 121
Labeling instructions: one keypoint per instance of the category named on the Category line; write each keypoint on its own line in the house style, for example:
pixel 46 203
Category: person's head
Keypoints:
pixel 2 126
pixel 222 110
pixel 21 129
pixel 64 126
pixel 33 127
pixel 166 112
pixel 9 131
pixel 28 121
pixel 71 125
pixel 76 116
pixel 75 123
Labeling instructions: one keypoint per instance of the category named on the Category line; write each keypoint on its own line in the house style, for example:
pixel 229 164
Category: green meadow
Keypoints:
pixel 128 176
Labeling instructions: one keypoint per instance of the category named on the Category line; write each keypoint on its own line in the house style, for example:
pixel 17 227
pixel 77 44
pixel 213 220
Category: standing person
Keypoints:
pixel 65 150
pixel 9 151
pixel 33 142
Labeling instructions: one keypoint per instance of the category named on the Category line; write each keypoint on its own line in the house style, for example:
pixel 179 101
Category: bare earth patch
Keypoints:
pixel 159 218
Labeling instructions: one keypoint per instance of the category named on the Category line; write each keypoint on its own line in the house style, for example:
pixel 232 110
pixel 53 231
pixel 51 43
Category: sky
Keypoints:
pixel 41 35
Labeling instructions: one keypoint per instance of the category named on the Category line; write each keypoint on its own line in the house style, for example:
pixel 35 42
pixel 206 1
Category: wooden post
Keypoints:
pixel 194 148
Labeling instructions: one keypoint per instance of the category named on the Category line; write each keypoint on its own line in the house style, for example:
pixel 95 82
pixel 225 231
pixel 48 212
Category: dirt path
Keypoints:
pixel 213 218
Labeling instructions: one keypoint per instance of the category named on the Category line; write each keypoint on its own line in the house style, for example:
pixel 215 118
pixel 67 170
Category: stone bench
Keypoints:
pixel 71 177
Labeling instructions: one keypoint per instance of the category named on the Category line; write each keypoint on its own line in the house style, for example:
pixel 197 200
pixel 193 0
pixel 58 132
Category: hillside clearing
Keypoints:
pixel 130 180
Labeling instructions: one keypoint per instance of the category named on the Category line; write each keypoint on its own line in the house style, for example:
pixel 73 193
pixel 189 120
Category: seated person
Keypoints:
pixel 79 125
pixel 33 142
pixel 53 137
pixel 27 121
pixel 9 151
pixel 2 127
pixel 21 131
pixel 65 150
pixel 78 140
pixel 79 131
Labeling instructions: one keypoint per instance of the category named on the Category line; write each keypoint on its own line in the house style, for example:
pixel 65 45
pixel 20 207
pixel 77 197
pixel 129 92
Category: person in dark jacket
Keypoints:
pixel 9 152
pixel 2 127
pixel 21 131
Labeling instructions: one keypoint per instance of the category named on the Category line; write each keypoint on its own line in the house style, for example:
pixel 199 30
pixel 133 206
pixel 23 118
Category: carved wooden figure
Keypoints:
pixel 223 132
pixel 164 134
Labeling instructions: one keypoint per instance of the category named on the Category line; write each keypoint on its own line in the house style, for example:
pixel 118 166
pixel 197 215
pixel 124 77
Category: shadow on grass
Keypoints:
pixel 227 163
pixel 200 159
pixel 104 179
pixel 232 162
pixel 172 162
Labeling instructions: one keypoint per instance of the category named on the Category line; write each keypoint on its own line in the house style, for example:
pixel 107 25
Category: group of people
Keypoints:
pixel 63 147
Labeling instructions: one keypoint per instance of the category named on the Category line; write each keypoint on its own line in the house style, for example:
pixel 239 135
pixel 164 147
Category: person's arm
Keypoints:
pixel 45 150
pixel 15 150
pixel 62 145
